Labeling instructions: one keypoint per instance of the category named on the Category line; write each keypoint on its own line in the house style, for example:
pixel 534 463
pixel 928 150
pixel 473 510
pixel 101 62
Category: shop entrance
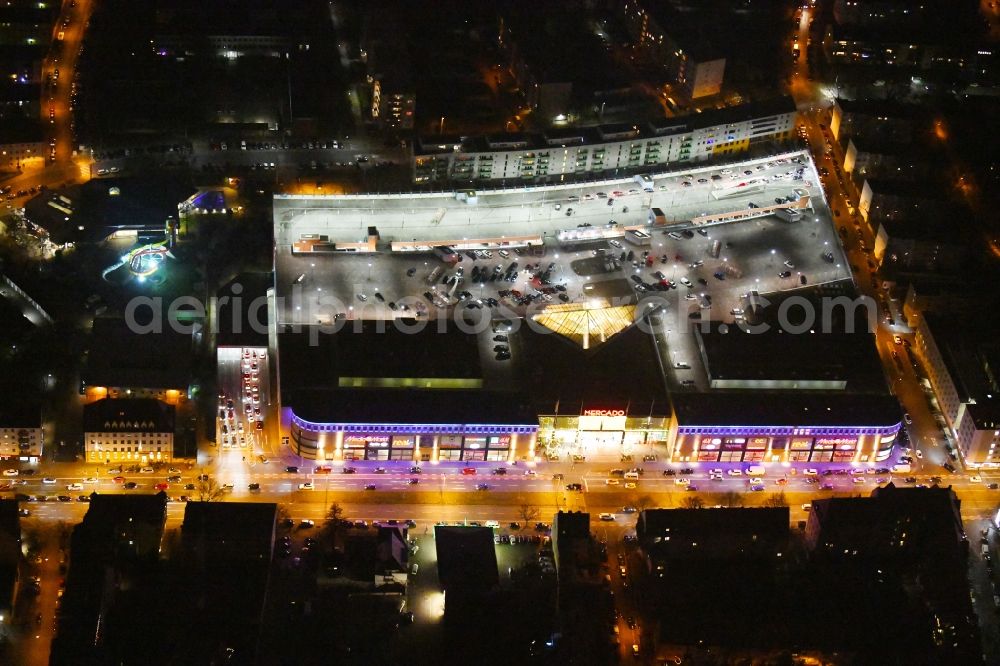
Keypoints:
pixel 600 442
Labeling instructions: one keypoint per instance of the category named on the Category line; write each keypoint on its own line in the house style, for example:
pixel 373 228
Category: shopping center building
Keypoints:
pixel 794 428
pixel 376 392
pixel 412 424
pixel 579 379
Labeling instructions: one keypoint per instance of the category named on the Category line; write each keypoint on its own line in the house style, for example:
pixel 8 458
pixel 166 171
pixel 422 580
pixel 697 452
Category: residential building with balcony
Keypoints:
pixel 589 152
pixel 21 433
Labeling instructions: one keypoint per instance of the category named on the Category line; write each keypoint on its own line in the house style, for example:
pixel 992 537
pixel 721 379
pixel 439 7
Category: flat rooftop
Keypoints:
pixel 119 357
pixel 916 189
pixel 467 558
pixel 725 533
pixel 403 406
pixel 562 378
pixel 849 359
pixel 594 134
pixel 786 409
pixel 141 205
pixel 414 222
pixel 236 319
pixel 376 353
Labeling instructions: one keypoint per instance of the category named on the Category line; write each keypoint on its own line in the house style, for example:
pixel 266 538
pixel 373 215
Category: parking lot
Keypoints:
pixel 319 287
pixel 581 262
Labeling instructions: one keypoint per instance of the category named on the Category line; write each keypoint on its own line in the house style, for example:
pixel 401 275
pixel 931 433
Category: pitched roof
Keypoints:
pixel 128 415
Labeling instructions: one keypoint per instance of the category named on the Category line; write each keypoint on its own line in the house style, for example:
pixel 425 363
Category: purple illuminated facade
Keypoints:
pixel 793 444
pixel 420 442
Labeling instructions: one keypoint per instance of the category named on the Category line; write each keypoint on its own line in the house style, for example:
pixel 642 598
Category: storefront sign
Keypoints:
pixel 403 441
pixel 604 412
pixel 499 442
pixel 842 443
pixel 710 443
pixel 475 442
pixel 801 443
pixel 360 441
pixel 450 442
pixel 757 443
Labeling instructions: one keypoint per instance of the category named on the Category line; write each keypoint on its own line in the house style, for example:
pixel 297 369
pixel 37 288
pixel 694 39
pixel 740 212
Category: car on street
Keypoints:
pixel 74 486
pixel 607 516
pixel 131 485
pixel 785 274
pixel 48 479
pixel 469 471
pixel 306 486
pixel 10 472
pixel 811 471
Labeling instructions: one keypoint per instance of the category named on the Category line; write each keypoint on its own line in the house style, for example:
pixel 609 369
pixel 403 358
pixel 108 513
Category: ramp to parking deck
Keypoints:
pixel 752 213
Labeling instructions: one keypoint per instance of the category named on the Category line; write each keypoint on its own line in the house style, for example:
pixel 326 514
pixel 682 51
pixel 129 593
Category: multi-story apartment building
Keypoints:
pixel 963 367
pixel 21 434
pixel 20 140
pixel 866 157
pixel 878 13
pixel 559 64
pixel 226 30
pixel 392 90
pixel 669 39
pixel 890 121
pixel 919 246
pixel 602 150
pixel 883 199
pixel 130 430
pixel 25 23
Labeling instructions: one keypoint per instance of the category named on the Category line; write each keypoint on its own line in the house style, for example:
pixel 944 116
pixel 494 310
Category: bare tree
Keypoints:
pixel 282 516
pixel 732 499
pixel 776 500
pixel 208 489
pixel 528 512
pixel 335 513
pixel 644 502
pixel 334 526
pixel 693 502
pixel 64 530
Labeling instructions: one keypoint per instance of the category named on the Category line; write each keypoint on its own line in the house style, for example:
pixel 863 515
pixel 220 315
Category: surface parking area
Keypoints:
pixel 588 256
